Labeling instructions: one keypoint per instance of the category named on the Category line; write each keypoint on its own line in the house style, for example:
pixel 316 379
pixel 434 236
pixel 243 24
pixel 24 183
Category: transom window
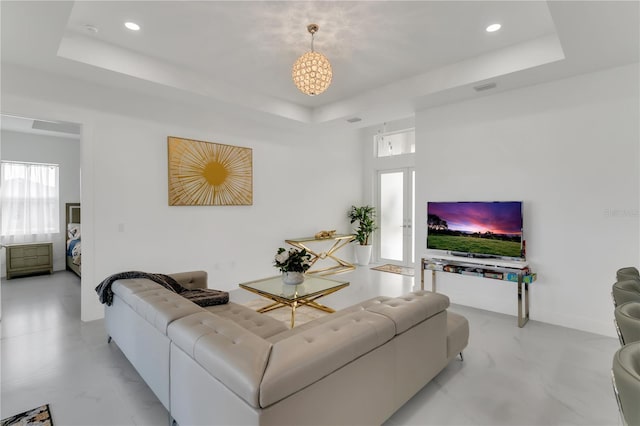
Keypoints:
pixel 395 143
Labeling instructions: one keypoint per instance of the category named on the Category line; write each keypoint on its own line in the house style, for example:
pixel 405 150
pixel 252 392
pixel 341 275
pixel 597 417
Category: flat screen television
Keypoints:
pixel 490 229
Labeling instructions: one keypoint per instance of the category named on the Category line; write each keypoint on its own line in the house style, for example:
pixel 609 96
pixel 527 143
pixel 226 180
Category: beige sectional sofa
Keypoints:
pixel 230 365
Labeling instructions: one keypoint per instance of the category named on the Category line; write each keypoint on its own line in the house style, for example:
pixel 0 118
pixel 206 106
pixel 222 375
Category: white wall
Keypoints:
pixel 304 181
pixel 55 150
pixel 298 190
pixel 569 149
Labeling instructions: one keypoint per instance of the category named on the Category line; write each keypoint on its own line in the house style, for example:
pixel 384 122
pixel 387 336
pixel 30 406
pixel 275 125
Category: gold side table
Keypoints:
pixel 340 241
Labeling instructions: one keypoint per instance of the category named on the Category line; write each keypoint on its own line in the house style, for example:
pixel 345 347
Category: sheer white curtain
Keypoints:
pixel 30 208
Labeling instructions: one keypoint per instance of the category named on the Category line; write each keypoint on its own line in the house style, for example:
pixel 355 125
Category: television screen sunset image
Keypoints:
pixel 484 228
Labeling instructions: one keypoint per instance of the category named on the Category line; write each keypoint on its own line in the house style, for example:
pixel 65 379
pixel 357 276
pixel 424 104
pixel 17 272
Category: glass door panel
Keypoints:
pixel 396 215
pixel 409 228
pixel 391 216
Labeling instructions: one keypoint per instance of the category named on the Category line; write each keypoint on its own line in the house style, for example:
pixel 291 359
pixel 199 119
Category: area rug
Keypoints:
pixel 40 416
pixel 402 270
pixel 303 313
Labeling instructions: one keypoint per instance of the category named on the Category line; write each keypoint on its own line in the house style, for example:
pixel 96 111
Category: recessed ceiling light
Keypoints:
pixel 132 26
pixel 493 28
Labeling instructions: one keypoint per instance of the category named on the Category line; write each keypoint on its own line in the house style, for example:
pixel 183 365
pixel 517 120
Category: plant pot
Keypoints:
pixel 292 278
pixel 363 254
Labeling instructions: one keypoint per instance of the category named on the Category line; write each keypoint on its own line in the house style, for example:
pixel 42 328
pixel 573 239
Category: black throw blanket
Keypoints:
pixel 201 297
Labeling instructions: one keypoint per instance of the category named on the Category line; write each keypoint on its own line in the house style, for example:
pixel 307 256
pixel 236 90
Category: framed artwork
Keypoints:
pixel 209 174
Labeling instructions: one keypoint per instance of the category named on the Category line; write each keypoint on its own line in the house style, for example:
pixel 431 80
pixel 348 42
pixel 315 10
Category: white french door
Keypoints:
pixel 396 216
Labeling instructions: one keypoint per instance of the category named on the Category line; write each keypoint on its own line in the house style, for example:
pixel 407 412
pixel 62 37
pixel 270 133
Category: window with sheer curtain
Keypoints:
pixel 30 208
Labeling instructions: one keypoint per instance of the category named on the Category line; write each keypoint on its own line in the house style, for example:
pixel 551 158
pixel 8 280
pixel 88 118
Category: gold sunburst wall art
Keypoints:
pixel 209 174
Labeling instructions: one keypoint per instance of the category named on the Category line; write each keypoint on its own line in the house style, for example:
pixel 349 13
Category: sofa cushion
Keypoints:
pixel 306 357
pixel 158 305
pixel 124 288
pixel 411 309
pixel 325 318
pixel 457 333
pixel 257 323
pixel 231 354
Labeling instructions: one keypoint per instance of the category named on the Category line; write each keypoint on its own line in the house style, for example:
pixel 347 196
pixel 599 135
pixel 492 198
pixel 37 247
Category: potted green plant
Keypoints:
pixel 293 264
pixel 365 217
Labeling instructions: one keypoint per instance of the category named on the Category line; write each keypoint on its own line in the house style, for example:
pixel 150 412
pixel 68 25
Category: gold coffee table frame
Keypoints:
pixel 305 294
pixel 340 241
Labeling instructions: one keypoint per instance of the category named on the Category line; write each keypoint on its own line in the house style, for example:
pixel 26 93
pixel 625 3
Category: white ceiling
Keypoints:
pixel 388 57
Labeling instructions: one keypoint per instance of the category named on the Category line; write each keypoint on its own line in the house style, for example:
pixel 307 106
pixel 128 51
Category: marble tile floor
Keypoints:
pixel 538 375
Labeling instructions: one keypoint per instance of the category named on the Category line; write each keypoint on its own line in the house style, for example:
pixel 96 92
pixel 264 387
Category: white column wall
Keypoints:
pixel 569 149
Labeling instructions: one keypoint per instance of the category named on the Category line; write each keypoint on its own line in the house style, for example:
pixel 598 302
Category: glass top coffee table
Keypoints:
pixel 305 294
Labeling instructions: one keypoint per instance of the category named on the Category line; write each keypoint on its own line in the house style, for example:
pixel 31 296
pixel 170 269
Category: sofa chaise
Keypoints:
pixel 228 364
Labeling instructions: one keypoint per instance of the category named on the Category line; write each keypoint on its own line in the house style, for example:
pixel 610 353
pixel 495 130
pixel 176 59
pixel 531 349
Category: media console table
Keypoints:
pixel 514 271
pixel 340 241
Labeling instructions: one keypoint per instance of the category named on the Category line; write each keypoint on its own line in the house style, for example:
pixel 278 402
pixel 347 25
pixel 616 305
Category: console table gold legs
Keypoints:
pixel 341 264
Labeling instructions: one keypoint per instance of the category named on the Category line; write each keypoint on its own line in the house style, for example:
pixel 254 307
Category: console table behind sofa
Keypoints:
pixel 340 240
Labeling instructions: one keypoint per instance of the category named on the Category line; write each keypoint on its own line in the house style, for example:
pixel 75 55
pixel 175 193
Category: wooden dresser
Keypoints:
pixel 25 259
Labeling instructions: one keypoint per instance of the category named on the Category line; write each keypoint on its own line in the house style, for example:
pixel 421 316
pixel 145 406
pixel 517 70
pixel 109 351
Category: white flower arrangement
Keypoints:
pixel 293 260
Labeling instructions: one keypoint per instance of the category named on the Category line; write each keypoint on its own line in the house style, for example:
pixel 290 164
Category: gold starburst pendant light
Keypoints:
pixel 312 71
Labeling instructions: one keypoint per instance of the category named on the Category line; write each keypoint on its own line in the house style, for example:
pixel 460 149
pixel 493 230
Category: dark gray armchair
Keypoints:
pixel 628 322
pixel 625 291
pixel 626 382
pixel 628 273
